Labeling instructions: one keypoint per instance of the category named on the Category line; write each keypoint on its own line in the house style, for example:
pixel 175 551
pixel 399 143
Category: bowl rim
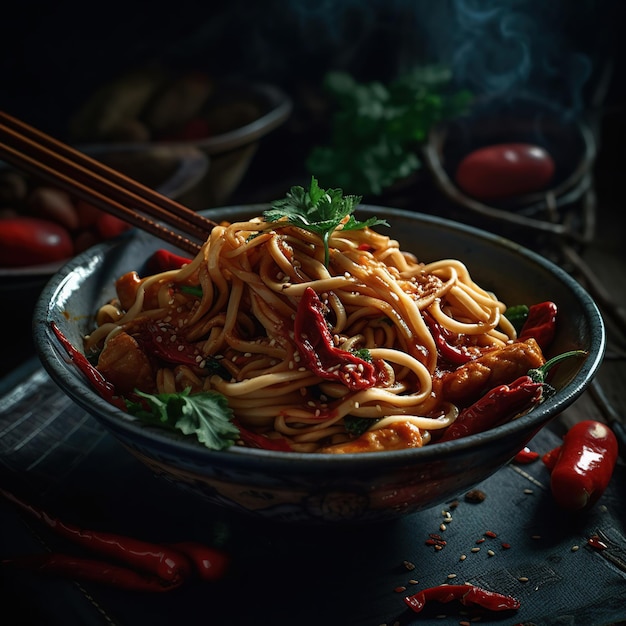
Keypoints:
pixel 54 361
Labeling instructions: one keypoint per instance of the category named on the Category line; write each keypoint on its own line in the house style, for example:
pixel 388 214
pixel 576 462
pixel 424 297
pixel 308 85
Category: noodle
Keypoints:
pixel 252 276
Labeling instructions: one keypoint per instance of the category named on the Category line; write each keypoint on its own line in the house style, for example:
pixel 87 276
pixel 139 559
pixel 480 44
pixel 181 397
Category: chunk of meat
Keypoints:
pixel 501 366
pixel 398 436
pixel 124 365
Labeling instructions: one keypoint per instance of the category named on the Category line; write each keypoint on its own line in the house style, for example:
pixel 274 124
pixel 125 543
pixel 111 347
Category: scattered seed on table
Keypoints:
pixel 408 565
pixel 575 548
pixel 505 546
pixel 523 579
pixel 475 496
pixel 528 491
pixel 451 576
pixel 490 552
pixel 475 550
pixel 462 557
pixel 400 589
pixel 481 540
pixel 536 537
pixel 490 534
pixel 442 527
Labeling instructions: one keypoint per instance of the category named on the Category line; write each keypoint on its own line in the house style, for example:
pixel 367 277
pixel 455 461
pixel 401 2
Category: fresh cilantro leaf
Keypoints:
pixel 319 211
pixel 378 128
pixel 205 415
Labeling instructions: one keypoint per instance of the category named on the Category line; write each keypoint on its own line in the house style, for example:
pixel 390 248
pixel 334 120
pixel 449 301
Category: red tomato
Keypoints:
pixel 505 170
pixel 110 226
pixel 33 241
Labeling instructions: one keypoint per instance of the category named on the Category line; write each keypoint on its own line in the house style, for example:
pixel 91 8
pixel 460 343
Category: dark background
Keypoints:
pixel 53 55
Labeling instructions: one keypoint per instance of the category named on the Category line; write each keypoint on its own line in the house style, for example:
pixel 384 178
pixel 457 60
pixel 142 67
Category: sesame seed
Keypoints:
pixel 413 581
pixel 409 565
pixel 490 552
pixel 475 550
pixel 462 557
pixel 451 576
pixel 575 548
pixel 442 527
pixel 523 579
pixel 528 491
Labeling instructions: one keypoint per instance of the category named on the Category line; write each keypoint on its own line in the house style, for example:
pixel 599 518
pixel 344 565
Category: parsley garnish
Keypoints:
pixel 205 415
pixel 319 211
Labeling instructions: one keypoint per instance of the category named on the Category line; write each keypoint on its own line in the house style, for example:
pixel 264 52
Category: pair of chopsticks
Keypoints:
pixel 104 187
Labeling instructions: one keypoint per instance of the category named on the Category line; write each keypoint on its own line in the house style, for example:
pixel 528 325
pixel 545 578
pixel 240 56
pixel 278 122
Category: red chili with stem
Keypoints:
pixel 163 562
pixel 90 570
pixel 505 401
pixel 466 595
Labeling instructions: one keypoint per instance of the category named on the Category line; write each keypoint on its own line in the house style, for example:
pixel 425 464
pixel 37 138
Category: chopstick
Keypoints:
pixel 106 188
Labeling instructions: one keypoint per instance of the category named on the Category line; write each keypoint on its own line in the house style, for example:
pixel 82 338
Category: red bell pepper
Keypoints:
pixel 319 354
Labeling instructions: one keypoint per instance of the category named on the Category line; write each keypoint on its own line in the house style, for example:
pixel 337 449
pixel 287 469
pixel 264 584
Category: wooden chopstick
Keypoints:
pixel 104 187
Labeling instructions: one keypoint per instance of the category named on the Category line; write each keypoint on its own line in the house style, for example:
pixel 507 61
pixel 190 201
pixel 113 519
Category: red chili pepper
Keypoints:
pixel 584 465
pixel 540 324
pixel 458 355
pixel 163 260
pixel 497 406
pixel 505 401
pixel 467 595
pixel 104 388
pixel 525 456
pixel 57 564
pixel 315 343
pixel 165 563
pixel 210 564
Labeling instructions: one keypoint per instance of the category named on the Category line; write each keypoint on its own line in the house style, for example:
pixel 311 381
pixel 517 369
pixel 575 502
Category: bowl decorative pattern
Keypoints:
pixel 318 488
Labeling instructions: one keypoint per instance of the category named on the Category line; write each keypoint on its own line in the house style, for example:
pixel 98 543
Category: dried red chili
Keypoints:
pixel 165 563
pixel 540 324
pixel 457 355
pixel 466 595
pixel 315 344
pixel 89 570
pixel 582 466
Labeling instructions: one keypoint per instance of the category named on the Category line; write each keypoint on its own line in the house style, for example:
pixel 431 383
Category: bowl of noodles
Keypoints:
pixel 322 377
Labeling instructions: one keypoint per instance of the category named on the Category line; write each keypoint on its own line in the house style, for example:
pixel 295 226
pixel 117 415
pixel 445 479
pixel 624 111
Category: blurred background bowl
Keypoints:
pixel 321 488
pixel 225 118
pixel 170 169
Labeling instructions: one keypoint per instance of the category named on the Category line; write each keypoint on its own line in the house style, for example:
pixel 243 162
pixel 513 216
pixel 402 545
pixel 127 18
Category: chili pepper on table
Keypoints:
pixel 319 354
pixel 91 570
pixel 454 354
pixel 209 563
pixel 166 563
pixel 582 466
pixel 467 595
pixel 540 324
pixel 504 402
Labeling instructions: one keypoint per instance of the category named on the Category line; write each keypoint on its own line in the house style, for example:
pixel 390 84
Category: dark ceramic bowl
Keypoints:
pixel 332 488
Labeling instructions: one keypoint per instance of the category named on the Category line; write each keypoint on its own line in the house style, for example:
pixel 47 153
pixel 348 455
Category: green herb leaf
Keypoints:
pixel 205 415
pixel 377 129
pixel 319 211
